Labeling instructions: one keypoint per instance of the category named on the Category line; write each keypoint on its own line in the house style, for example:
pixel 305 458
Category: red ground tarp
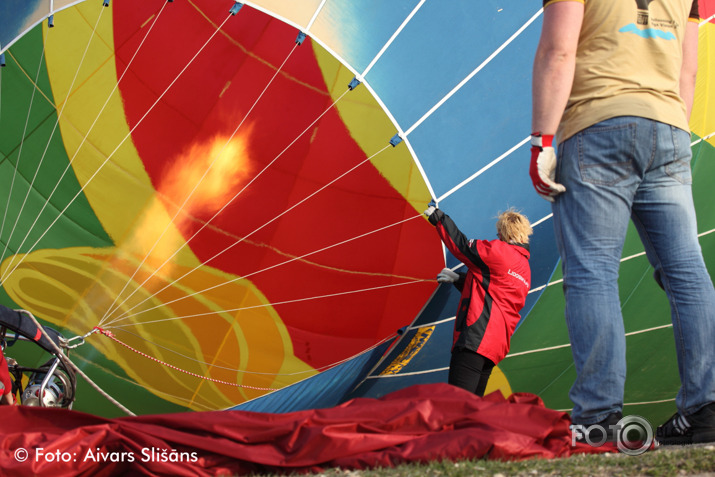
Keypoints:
pixel 417 424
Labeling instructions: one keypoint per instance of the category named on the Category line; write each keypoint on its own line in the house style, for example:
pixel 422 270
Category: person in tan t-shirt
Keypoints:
pixel 613 80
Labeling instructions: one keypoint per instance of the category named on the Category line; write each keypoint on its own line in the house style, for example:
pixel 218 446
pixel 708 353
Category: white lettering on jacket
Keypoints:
pixel 519 277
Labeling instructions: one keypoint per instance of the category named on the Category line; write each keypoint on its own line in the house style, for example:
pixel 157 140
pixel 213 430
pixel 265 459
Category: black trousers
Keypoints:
pixel 469 370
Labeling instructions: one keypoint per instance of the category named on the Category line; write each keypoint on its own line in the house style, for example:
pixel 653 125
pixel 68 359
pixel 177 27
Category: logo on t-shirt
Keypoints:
pixel 642 11
pixel 653 28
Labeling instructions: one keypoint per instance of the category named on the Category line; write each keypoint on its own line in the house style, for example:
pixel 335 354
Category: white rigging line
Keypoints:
pixel 126 315
pixel 114 401
pixel 483 169
pixel 568 345
pixel 641 403
pixel 543 219
pixel 111 308
pixel 411 373
pixel 89 180
pixel 273 304
pixel 704 138
pixel 392 38
pixel 253 179
pixel 315 15
pixel 471 75
pixel 19 157
pixel 44 153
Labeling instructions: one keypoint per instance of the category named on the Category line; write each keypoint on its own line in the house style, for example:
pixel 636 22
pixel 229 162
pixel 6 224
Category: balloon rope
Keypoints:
pixel 315 15
pixel 698 152
pixel 69 363
pixel 273 304
pixel 110 335
pixel 115 306
pixel 10 268
pixel 89 180
pixel 392 38
pixel 19 157
pixel 483 169
pixel 704 138
pixel 84 139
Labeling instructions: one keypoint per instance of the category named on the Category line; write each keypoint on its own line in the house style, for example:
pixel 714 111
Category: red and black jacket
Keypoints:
pixel 4 376
pixel 494 289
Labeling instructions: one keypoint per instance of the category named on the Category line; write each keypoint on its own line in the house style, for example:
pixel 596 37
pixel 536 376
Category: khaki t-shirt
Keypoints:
pixel 628 63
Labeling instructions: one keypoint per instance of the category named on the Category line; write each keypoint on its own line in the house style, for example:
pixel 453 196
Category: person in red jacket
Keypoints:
pixel 6 396
pixel 494 290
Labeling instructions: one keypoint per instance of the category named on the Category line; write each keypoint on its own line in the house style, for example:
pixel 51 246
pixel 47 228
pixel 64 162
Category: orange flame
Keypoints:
pixel 214 169
pixel 199 182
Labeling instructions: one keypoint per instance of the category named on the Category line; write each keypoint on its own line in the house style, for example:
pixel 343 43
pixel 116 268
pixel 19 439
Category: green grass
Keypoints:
pixel 665 461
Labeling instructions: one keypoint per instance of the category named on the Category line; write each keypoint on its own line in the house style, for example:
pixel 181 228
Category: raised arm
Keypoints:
pixel 453 238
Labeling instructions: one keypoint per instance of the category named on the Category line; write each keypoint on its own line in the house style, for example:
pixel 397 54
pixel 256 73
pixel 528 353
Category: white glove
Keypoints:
pixel 429 210
pixel 543 167
pixel 447 276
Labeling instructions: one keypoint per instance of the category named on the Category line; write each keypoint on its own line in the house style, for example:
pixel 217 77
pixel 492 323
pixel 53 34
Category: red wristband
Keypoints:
pixel 547 140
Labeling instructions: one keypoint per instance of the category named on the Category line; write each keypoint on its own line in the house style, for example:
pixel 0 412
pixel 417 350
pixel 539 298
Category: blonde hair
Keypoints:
pixel 513 227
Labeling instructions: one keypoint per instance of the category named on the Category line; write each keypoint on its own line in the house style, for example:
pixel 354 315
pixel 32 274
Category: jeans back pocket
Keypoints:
pixel 606 154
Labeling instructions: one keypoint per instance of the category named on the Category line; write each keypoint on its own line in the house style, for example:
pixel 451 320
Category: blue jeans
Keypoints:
pixel 620 169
